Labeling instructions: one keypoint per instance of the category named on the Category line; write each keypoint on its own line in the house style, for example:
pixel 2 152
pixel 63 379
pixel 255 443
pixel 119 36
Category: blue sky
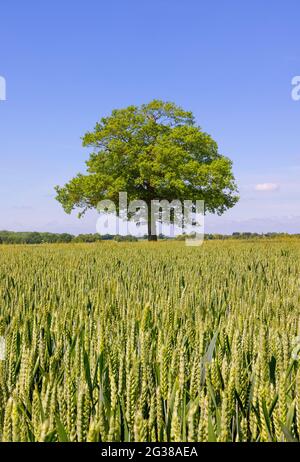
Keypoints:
pixel 68 63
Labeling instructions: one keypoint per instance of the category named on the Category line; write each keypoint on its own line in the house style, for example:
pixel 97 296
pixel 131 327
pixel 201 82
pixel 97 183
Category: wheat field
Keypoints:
pixel 150 342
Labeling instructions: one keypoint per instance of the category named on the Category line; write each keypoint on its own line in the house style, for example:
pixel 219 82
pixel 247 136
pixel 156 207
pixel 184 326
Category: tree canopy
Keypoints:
pixel 153 152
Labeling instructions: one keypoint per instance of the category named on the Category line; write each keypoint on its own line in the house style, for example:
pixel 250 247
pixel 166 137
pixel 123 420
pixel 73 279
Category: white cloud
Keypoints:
pixel 267 187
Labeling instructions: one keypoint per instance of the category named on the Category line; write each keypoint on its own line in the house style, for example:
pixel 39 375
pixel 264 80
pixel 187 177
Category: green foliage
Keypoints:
pixel 10 237
pixel 87 238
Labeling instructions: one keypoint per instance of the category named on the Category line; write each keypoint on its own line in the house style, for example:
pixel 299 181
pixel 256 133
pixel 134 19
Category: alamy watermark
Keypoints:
pixel 156 217
pixel 296 88
pixel 2 89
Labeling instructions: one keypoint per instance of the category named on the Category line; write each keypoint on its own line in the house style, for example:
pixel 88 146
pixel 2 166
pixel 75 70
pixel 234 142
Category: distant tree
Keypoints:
pixel 152 152
pixel 64 237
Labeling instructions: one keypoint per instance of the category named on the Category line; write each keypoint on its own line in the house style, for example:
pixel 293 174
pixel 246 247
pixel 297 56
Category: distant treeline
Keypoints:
pixel 250 236
pixel 10 237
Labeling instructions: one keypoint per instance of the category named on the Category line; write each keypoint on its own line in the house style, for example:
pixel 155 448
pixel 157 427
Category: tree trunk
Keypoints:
pixel 152 236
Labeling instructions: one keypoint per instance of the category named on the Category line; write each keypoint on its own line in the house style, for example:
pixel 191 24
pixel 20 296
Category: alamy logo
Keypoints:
pixel 2 348
pixel 186 218
pixel 2 89
pixel 296 88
